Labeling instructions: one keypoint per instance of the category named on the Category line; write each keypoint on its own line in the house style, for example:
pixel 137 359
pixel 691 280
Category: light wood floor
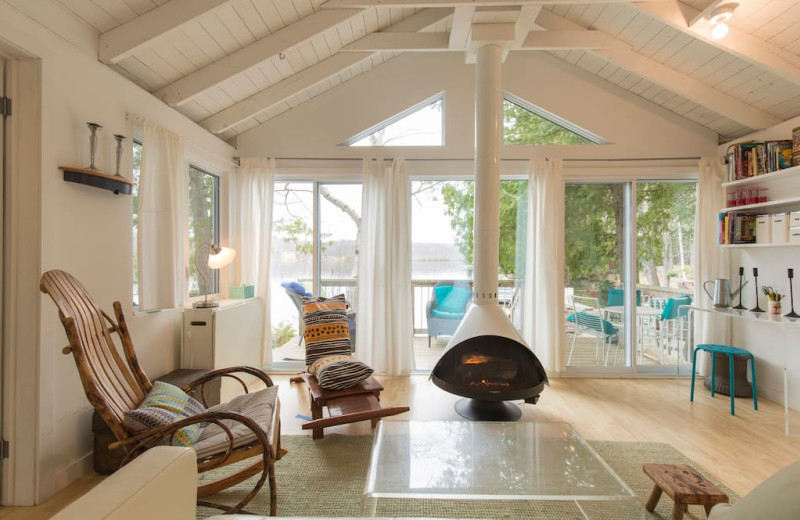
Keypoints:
pixel 740 450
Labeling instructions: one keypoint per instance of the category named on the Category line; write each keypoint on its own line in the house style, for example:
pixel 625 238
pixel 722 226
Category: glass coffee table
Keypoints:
pixel 491 461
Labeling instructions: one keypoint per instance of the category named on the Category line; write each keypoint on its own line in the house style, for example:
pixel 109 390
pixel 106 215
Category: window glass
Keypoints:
pixel 522 125
pixel 339 225
pixel 417 127
pixel 203 229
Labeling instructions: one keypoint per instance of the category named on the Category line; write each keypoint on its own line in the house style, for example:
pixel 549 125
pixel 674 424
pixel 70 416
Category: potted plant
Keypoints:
pixel 774 304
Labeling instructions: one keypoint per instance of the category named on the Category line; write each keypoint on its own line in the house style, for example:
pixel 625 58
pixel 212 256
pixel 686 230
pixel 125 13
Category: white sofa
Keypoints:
pixel 161 483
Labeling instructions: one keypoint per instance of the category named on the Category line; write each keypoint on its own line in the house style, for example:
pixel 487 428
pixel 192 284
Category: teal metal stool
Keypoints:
pixel 730 352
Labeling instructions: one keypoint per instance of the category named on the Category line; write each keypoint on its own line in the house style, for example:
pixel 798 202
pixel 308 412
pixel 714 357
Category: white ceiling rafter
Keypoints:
pixel 122 41
pixel 738 43
pixel 459 31
pixel 311 76
pixel 474 3
pixel 669 78
pixel 213 74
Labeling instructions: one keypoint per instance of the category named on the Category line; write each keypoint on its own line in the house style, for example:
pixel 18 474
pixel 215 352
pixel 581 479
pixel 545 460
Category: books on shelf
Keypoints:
pixel 754 158
pixel 736 228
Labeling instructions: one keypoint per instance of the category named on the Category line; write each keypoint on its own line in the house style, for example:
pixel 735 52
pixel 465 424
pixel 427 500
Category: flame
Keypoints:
pixel 475 359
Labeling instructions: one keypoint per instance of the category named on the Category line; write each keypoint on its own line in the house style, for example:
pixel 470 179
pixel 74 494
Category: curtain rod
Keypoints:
pixel 629 159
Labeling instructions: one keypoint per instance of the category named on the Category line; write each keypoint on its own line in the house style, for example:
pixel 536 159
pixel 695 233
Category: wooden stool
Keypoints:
pixel 683 485
pixel 360 402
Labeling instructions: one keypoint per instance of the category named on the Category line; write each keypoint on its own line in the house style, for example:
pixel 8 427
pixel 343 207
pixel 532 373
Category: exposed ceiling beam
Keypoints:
pixel 456 3
pixel 738 43
pixel 184 89
pixel 459 30
pixel 277 93
pixel 122 41
pixel 671 79
pixel 402 42
pixel 534 41
pixel 307 78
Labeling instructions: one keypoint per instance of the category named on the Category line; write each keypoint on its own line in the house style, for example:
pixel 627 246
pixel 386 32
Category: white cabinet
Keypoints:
pixel 222 337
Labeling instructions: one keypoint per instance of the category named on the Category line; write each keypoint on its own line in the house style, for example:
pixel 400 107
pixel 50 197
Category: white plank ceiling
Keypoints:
pixel 233 64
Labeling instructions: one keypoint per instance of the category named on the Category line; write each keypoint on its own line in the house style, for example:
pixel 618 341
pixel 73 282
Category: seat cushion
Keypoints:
pixel 166 404
pixel 447 315
pixel 326 329
pixel 339 372
pixel 452 299
pixel 593 322
pixel 259 406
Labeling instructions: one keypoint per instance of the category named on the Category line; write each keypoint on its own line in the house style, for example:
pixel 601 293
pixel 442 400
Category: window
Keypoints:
pixel 203 229
pixel 420 125
pixel 136 163
pixel 525 124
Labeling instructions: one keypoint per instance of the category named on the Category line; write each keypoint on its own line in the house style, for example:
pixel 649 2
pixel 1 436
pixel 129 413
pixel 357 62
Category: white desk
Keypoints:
pixel 761 317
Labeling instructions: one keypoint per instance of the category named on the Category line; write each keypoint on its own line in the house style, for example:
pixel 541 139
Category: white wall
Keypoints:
pixel 774 346
pixel 85 230
pixel 634 128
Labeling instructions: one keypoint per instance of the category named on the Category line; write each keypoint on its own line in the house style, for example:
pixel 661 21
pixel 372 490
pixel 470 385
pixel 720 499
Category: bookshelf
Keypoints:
pixel 783 196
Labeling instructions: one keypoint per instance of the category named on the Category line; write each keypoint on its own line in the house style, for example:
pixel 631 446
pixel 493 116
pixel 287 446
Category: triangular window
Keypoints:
pixel 420 125
pixel 525 124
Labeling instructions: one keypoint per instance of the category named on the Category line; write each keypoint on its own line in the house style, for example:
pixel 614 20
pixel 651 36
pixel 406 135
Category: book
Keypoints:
pixel 796 146
pixel 779 154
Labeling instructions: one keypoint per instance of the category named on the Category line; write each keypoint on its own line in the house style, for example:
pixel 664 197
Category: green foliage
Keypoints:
pixel 590 246
pixel 459 200
pixel 203 227
pixel 296 231
pixel 521 126
pixel 282 333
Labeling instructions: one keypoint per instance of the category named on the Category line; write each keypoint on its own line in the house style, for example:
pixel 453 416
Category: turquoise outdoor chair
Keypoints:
pixel 588 318
pixel 673 324
pixel 447 306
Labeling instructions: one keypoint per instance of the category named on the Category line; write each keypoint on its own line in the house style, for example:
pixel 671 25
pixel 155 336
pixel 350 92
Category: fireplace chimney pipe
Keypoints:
pixel 488 139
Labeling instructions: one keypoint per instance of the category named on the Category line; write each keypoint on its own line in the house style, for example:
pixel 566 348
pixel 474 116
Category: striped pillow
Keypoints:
pixel 326 332
pixel 339 372
pixel 166 404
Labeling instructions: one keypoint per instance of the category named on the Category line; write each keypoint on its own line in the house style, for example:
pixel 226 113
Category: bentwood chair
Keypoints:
pixel 247 427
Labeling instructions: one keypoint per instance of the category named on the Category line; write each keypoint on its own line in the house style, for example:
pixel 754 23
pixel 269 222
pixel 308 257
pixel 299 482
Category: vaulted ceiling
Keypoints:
pixel 232 64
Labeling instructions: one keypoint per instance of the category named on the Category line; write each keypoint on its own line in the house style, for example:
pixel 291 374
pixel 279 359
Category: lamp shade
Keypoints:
pixel 220 257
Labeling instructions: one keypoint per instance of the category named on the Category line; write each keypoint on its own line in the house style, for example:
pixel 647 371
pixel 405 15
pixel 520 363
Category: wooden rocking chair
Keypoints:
pixel 248 426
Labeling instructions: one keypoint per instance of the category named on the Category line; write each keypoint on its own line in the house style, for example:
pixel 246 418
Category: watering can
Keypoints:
pixel 722 295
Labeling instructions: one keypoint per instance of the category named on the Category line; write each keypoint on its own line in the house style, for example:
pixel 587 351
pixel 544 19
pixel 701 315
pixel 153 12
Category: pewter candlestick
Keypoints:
pixel 119 139
pixel 741 275
pixel 791 314
pixel 756 308
pixel 93 128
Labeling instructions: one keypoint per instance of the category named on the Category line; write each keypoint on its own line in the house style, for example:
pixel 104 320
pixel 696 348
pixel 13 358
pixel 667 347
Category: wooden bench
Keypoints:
pixel 357 403
pixel 683 485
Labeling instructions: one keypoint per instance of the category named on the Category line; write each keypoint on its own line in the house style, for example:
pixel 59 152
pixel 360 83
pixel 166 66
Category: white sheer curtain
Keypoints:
pixel 711 260
pixel 163 240
pixel 252 221
pixel 544 296
pixel 385 338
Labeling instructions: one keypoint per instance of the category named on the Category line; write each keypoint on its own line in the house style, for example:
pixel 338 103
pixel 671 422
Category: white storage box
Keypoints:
pixel 780 228
pixel 763 229
pixel 794 235
pixel 794 219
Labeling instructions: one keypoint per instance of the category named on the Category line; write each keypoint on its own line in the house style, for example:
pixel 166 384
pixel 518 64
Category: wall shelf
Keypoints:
pixel 776 176
pixel 113 183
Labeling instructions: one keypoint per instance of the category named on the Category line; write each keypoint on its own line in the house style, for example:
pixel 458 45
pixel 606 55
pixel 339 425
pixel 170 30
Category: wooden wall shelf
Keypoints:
pixel 113 183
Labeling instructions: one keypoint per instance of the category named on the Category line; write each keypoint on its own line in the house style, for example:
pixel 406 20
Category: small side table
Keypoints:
pixel 683 485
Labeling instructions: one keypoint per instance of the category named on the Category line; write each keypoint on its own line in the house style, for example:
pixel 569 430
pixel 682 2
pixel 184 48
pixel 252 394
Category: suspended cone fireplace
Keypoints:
pixel 487 361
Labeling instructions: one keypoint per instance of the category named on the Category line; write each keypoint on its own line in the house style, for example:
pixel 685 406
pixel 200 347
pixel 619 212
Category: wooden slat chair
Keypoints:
pixel 246 427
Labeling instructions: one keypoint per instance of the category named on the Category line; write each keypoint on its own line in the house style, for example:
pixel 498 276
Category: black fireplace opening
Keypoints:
pixel 490 369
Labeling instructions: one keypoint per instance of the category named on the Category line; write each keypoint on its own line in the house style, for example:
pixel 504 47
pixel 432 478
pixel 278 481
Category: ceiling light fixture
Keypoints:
pixel 719 19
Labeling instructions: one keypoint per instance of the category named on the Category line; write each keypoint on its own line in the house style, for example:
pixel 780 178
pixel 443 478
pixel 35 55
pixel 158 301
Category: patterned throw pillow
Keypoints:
pixel 166 404
pixel 339 372
pixel 326 332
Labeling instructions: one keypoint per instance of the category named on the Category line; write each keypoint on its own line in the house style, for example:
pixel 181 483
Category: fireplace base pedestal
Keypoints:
pixel 476 410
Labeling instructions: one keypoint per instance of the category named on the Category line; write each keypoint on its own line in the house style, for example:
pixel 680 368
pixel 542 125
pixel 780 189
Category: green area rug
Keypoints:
pixel 326 478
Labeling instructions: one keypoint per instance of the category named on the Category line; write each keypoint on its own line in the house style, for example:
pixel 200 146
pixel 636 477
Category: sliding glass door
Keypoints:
pixel 628 275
